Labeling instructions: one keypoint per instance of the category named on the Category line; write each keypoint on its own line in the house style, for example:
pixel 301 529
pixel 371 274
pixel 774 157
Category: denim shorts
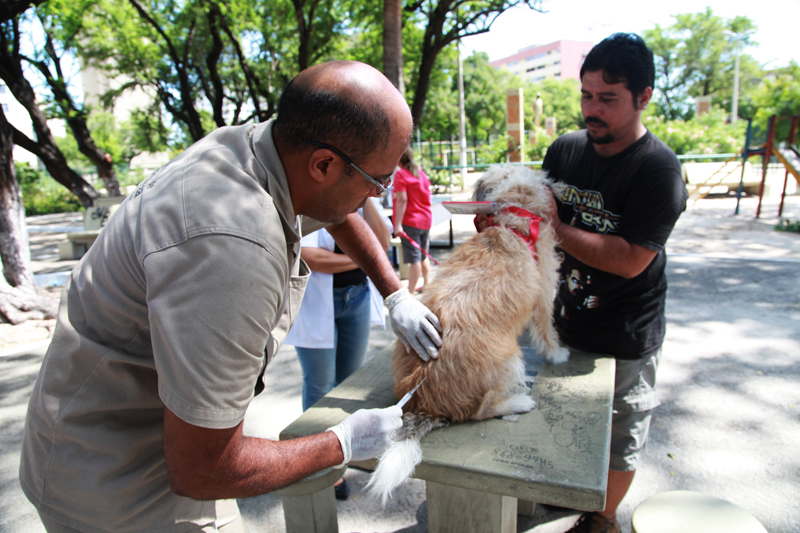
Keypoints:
pixel 634 400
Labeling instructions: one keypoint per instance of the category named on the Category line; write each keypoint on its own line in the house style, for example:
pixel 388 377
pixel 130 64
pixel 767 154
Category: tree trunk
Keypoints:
pixel 103 162
pixel 432 44
pixel 20 299
pixel 216 94
pixel 45 146
pixel 11 8
pixel 304 31
pixel 393 43
pixel 463 23
pixel 429 54
pixel 187 112
pixel 76 119
pixel 56 165
pixel 253 83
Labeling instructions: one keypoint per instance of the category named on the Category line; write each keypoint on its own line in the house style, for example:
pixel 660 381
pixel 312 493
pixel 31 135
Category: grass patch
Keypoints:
pixel 788 225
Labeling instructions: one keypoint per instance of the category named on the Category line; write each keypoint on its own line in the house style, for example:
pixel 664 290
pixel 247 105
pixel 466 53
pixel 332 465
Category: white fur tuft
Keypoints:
pixel 561 355
pixel 395 466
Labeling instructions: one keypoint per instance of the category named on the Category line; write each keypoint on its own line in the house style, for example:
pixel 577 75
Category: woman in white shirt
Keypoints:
pixel 331 332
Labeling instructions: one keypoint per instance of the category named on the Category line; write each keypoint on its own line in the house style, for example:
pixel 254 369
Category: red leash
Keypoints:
pixel 533 227
pixel 417 246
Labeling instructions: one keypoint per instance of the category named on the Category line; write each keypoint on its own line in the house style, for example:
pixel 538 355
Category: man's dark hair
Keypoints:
pixel 357 128
pixel 623 57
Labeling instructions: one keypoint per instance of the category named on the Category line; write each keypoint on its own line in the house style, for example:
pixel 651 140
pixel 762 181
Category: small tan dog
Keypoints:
pixel 486 295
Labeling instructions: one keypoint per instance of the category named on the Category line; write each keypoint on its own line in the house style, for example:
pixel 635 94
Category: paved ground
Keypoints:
pixel 729 423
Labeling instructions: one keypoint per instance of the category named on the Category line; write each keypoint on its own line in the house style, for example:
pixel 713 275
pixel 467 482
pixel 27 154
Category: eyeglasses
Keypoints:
pixel 383 183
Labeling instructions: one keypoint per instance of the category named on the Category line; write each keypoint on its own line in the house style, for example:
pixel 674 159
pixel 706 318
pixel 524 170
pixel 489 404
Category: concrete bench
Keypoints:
pixel 78 243
pixel 475 472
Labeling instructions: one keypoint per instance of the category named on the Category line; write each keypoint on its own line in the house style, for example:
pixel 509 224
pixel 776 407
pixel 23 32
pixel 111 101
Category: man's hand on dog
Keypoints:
pixel 481 222
pixel 414 324
pixel 552 211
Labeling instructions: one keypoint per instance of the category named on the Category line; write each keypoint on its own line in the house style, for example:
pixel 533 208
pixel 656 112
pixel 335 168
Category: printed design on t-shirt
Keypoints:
pixel 149 182
pixel 575 290
pixel 588 206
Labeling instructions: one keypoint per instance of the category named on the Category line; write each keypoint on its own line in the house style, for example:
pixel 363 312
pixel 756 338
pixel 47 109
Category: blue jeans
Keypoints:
pixel 325 368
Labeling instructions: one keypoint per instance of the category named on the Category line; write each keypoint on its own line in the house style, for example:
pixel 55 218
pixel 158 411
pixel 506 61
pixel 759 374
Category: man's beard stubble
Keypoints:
pixel 605 139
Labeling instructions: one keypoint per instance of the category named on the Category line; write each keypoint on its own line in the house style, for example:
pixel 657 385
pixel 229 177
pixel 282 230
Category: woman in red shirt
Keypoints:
pixel 411 192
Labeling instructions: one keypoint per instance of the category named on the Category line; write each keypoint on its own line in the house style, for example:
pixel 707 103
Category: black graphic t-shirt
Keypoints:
pixel 637 194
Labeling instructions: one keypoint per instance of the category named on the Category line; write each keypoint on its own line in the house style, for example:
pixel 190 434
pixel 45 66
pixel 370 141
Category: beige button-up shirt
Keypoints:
pixel 181 302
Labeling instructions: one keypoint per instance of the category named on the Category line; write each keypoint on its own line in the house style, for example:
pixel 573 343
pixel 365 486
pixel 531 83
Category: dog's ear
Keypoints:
pixel 479 195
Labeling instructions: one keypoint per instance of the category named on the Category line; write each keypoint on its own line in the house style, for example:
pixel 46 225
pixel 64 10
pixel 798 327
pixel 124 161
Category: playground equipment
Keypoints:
pixel 786 153
pixel 699 188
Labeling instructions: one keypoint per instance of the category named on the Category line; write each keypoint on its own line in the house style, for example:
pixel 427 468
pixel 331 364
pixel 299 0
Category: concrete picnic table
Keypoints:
pixel 476 472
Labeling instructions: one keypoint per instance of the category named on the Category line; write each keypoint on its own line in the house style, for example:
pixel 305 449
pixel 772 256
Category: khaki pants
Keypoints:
pixel 229 520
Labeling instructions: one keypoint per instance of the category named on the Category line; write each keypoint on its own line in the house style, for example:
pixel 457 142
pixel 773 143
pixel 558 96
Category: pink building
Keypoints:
pixel 560 59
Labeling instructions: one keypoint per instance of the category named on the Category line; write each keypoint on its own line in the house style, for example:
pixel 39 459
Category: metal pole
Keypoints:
pixel 735 109
pixel 462 128
pixel 767 156
pixel 792 130
pixel 737 43
pixel 745 154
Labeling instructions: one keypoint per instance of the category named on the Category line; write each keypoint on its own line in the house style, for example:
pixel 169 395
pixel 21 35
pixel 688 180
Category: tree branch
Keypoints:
pixel 192 118
pixel 12 8
pixel 216 92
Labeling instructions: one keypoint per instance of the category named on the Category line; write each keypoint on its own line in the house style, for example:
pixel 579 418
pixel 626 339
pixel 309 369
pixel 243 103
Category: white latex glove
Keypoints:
pixel 367 433
pixel 414 324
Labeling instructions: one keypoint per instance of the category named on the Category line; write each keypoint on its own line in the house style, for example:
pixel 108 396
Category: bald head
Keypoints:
pixel 346 104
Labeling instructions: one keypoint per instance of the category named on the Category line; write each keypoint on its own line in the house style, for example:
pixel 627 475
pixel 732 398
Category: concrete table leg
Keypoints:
pixel 456 510
pixel 525 508
pixel 312 513
pixel 309 506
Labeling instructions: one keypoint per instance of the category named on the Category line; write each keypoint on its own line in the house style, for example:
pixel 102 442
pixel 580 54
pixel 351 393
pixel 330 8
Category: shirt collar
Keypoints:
pixel 276 183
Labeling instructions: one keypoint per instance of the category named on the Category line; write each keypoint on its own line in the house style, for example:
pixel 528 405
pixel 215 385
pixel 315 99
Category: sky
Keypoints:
pixel 593 20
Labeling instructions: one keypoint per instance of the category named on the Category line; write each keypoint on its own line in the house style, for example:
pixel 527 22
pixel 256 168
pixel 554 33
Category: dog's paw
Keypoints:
pixel 558 356
pixel 521 403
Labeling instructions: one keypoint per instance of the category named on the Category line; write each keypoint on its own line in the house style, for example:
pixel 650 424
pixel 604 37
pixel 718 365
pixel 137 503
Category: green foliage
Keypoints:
pixel 708 133
pixel 144 131
pixel 495 151
pixel 538 148
pixel 485 100
pixel 42 195
pixel 440 120
pixel 69 147
pixel 788 225
pixel 107 135
pixel 779 94
pixel 484 97
pixel 695 57
pixel 560 99
pixel 210 63
pixel 443 181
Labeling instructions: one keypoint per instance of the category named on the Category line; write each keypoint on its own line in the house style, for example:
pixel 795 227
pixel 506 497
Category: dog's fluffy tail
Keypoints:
pixel 398 462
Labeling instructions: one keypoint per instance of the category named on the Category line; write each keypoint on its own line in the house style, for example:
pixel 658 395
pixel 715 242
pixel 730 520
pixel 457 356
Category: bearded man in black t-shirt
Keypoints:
pixel 624 194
